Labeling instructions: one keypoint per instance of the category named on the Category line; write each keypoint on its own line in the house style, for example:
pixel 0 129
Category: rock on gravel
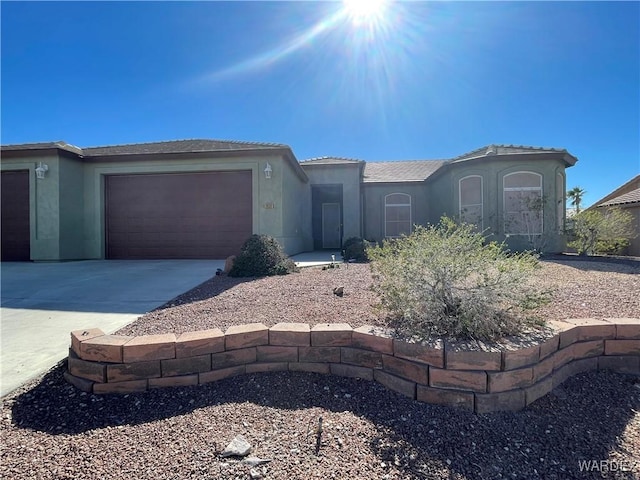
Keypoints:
pixel 238 447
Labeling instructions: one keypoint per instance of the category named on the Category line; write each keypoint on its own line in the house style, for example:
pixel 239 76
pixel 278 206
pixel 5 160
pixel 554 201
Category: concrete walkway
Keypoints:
pixel 317 258
pixel 40 303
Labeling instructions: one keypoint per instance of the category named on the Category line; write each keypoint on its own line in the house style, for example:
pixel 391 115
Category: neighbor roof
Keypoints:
pixel 625 194
pixel 629 197
pixel 401 171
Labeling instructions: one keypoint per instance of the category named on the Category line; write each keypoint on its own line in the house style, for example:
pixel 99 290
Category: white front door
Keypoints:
pixel 331 233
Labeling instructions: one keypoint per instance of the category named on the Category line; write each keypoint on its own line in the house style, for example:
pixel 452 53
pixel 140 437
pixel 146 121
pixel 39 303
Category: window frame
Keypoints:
pixel 386 205
pixel 481 204
pixel 522 189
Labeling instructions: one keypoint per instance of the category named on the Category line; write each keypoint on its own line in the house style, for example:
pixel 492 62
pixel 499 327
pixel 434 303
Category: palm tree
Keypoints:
pixel 575 195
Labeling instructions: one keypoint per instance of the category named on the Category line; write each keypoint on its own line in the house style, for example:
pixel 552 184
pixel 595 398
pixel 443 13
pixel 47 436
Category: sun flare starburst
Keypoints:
pixel 364 11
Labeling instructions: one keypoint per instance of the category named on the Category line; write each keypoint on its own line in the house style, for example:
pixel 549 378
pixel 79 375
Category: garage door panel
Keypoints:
pixel 14 225
pixel 202 215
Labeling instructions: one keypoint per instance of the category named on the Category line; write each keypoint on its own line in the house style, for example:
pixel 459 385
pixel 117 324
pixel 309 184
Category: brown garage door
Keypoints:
pixel 196 215
pixel 15 216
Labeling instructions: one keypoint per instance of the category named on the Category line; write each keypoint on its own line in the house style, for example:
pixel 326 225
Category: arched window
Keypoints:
pixel 470 200
pixel 523 204
pixel 397 214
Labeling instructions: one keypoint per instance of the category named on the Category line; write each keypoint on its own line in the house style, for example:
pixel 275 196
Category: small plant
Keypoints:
pixel 261 256
pixel 355 249
pixel 445 280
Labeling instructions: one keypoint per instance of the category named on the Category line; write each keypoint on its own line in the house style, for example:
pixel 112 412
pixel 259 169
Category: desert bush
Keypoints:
pixel 261 256
pixel 446 281
pixel 616 246
pixel 355 248
pixel 594 231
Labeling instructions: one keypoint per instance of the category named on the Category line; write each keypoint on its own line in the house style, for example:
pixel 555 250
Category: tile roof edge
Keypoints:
pixel 233 142
pixel 611 195
pixel 529 148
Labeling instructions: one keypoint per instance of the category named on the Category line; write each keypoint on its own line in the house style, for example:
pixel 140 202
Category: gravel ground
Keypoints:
pixel 581 289
pixel 51 430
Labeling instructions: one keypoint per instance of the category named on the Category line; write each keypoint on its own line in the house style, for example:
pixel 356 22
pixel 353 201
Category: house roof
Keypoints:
pixel 141 151
pixel 402 171
pixel 373 172
pixel 43 146
pixel 180 146
pixel 175 146
pixel 331 161
pixel 623 195
pixel 501 149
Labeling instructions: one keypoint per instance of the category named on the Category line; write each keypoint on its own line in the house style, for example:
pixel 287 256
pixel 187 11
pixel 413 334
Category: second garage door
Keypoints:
pixel 15 215
pixel 195 215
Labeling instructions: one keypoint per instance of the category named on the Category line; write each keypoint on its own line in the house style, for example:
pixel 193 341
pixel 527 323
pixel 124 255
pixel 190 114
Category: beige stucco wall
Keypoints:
pixel 71 184
pixel 44 202
pixel 444 197
pixel 296 234
pixel 268 201
pixel 374 206
pixel 439 196
pixel 67 207
pixel 348 176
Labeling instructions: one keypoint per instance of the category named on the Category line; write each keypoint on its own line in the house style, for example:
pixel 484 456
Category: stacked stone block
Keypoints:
pixel 482 379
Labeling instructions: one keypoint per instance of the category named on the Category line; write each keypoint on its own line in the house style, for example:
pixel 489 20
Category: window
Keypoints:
pixel 397 215
pixel 560 201
pixel 470 194
pixel 523 203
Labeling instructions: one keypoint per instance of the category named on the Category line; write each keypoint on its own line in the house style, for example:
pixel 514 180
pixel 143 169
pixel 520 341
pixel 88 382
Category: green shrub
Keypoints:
pixel 446 281
pixel 615 246
pixel 601 231
pixel 261 256
pixel 355 248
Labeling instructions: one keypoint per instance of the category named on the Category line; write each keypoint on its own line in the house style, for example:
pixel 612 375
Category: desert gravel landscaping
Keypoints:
pixel 51 430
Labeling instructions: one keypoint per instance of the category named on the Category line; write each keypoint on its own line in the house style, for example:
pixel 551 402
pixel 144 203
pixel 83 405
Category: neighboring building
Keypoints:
pixel 203 198
pixel 626 197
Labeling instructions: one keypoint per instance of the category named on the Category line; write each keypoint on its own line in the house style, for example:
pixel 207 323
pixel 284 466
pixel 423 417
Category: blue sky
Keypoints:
pixel 421 81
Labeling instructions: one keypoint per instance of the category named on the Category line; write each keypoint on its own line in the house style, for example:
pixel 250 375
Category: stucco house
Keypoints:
pixel 626 197
pixel 203 198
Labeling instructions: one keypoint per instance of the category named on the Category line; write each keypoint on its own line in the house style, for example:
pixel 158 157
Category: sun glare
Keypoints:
pixel 364 11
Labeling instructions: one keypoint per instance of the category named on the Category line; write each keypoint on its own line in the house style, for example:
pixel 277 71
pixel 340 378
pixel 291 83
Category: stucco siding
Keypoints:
pixel 71 209
pixel 44 204
pixel 347 176
pixel 492 171
pixel 296 221
pixel 94 196
pixel 374 206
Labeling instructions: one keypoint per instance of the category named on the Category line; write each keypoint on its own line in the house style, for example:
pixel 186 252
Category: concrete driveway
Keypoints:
pixel 40 303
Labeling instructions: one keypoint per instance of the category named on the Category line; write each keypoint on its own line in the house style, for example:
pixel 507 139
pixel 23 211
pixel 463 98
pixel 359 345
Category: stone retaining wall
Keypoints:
pixel 438 373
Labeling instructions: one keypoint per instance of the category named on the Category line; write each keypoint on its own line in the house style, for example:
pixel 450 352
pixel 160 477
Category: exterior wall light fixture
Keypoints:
pixel 267 171
pixel 41 170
